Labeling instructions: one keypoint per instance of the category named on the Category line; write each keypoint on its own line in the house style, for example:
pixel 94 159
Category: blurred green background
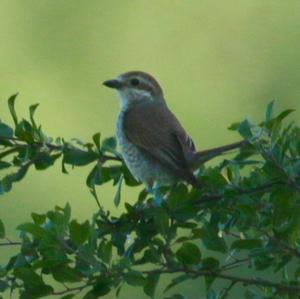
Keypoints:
pixel 218 62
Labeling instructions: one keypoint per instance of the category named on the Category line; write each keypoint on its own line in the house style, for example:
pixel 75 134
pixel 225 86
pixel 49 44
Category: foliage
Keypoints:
pixel 246 216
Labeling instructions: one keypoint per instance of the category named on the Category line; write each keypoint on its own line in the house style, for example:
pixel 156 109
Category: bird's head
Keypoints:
pixel 136 87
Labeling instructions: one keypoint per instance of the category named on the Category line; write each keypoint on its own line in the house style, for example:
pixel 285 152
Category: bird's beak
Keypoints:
pixel 113 84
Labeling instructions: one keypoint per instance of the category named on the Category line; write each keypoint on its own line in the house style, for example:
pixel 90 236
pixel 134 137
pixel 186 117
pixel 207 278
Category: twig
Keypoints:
pixel 10 243
pixel 236 279
pixel 69 290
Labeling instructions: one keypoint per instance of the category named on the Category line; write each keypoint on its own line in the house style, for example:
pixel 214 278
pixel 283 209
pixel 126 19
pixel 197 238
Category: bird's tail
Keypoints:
pixel 203 156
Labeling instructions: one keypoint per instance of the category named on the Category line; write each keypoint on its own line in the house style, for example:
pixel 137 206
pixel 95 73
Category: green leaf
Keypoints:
pixel 11 106
pixel 246 244
pixel 45 160
pixel 269 111
pixel 100 289
pixel 33 229
pixel 78 157
pixel 134 278
pixel 38 218
pixel 210 264
pixel 161 220
pixel 24 131
pixel 128 177
pixel 109 144
pixel 150 285
pixel 32 109
pixel 3 286
pixel 96 139
pixel 4 164
pixel 284 210
pixel 211 239
pixel 33 282
pixel 2 230
pixel 64 273
pixel 105 251
pixel 263 262
pixel 117 197
pixel 79 232
pixel 5 130
pixel 245 129
pixel 189 253
pixel 8 180
pixel 284 114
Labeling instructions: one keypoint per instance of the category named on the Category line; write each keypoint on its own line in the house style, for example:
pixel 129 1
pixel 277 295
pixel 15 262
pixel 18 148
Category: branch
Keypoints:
pixel 68 290
pixel 19 144
pixel 236 279
pixel 10 243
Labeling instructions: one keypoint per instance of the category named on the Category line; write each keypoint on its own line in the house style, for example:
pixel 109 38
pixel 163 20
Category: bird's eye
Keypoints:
pixel 135 82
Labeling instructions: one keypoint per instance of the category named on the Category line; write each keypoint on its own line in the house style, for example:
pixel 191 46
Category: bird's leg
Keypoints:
pixel 157 195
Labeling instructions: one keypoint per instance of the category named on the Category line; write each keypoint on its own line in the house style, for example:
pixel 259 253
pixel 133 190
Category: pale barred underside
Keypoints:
pixel 143 167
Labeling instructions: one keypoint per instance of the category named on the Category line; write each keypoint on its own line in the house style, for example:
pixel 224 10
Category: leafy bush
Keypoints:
pixel 247 212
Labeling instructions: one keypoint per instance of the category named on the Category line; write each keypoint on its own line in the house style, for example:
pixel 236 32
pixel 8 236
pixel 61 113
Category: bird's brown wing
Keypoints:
pixel 156 130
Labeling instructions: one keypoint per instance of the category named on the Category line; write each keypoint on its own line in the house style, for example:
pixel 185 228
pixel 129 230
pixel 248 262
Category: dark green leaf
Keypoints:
pixel 284 114
pixel 161 221
pixel 3 286
pixel 4 164
pixel 150 285
pixel 109 144
pixel 24 131
pixel 78 157
pixel 105 251
pixel 101 288
pixel 128 178
pixel 33 282
pixel 38 219
pixel 117 197
pixel 269 111
pixel 245 129
pixel 188 253
pixel 283 210
pixel 79 232
pixel 212 240
pixel 210 264
pixel 33 229
pixel 134 278
pixel 11 106
pixel 5 130
pixel 2 230
pixel 65 273
pixel 45 160
pixel 32 109
pixel 246 244
pixel 96 139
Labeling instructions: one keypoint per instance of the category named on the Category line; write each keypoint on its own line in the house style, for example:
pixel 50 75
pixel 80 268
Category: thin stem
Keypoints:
pixel 10 243
pixel 232 278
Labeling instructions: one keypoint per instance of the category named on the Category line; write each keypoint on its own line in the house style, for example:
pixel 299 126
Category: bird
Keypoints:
pixel 154 145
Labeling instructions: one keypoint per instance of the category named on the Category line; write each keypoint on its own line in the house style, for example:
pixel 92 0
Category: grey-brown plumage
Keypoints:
pixel 154 145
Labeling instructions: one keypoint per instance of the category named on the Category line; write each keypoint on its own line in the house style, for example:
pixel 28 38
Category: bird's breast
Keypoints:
pixel 141 166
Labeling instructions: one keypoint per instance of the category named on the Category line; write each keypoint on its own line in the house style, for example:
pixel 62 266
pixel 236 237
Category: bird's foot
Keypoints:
pixel 157 195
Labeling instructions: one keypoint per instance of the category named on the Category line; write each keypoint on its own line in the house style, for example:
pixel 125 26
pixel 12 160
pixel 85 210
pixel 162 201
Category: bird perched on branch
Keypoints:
pixel 154 145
